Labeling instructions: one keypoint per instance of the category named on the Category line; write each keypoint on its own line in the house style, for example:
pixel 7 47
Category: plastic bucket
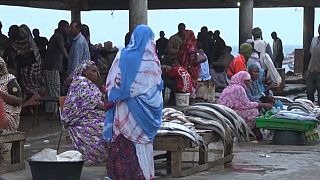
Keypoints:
pixel 42 170
pixel 182 99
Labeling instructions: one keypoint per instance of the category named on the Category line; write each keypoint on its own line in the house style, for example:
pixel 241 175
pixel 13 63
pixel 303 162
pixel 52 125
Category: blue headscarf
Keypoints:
pixel 148 117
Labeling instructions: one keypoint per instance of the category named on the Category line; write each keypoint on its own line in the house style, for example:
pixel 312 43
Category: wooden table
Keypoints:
pixel 17 151
pixel 175 145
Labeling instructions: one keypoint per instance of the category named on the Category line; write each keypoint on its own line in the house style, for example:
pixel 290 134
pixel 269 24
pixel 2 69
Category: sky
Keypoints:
pixel 113 25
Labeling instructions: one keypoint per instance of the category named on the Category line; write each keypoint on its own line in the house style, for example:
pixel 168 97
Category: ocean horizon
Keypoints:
pixel 287 49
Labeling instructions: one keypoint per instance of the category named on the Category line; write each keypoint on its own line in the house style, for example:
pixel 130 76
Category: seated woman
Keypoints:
pixel 11 100
pixel 234 96
pixel 257 92
pixel 84 112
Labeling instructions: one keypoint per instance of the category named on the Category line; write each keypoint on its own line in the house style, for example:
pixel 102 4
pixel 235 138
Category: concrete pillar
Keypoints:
pixel 245 20
pixel 75 14
pixel 308 33
pixel 138 13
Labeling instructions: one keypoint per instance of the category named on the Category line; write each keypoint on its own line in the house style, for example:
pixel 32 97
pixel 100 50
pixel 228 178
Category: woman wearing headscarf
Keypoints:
pixel 134 85
pixel 27 58
pixel 234 96
pixel 187 56
pixel 10 95
pixel 84 112
pixel 257 89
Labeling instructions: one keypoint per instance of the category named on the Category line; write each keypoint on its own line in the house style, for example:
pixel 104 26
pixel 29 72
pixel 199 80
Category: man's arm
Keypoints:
pixel 60 43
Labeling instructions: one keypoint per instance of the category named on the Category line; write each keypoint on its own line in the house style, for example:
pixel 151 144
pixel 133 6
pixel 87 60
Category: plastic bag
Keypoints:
pixel 46 154
pixel 70 156
pixel 49 154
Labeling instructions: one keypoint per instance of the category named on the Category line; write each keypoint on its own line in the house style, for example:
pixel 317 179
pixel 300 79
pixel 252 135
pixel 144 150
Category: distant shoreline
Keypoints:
pixel 287 49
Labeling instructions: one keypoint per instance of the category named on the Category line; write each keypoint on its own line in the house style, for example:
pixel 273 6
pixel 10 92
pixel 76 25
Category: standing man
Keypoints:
pixel 42 42
pixel 53 63
pixel 175 43
pixel 161 45
pixel 313 77
pixel 79 51
pixel 218 47
pixel 261 45
pixel 277 50
pixel 3 41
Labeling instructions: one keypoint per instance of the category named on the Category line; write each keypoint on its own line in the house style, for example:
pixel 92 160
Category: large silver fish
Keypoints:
pixel 173 128
pixel 210 114
pixel 301 106
pixel 295 115
pixel 235 127
pixel 241 127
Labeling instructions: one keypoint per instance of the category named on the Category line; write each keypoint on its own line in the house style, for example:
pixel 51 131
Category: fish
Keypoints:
pixel 283 99
pixel 295 115
pixel 310 103
pixel 208 114
pixel 301 106
pixel 202 123
pixel 227 115
pixel 174 128
pixel 242 129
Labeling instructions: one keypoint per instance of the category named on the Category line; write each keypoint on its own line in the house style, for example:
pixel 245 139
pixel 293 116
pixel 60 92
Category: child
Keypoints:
pixel 177 79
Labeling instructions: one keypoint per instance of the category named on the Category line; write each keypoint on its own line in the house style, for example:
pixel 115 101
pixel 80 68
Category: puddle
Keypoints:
pixel 257 169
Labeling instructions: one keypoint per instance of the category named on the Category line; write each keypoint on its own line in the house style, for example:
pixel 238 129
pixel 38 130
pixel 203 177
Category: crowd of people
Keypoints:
pixel 125 113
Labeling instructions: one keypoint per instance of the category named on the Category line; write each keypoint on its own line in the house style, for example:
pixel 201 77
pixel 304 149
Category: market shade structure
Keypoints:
pixel 138 11
pixel 84 5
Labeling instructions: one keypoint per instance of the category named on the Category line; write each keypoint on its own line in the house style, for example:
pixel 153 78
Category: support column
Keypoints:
pixel 75 14
pixel 308 33
pixel 245 20
pixel 138 13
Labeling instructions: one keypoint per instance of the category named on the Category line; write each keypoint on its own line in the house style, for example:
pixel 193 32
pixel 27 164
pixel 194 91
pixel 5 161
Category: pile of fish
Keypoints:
pixel 174 122
pixel 300 109
pixel 302 104
pixel 223 120
pixel 295 115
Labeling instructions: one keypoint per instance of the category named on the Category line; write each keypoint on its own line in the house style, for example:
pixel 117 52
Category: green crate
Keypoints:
pixel 267 122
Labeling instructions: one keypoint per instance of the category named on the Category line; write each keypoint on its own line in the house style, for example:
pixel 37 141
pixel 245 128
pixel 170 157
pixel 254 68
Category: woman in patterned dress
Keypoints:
pixel 234 96
pixel 134 85
pixel 10 95
pixel 84 112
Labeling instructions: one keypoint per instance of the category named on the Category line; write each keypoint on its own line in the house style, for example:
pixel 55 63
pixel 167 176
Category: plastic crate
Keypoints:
pixel 267 122
pixel 311 137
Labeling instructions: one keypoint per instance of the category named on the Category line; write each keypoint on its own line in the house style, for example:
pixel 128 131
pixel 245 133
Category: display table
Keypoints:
pixel 175 145
pixel 17 151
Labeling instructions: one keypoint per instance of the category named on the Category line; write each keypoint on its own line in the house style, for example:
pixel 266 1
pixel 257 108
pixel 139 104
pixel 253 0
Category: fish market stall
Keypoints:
pixel 194 129
pixel 293 126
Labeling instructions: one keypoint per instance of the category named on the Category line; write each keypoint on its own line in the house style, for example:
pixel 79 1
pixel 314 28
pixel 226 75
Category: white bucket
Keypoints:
pixel 182 99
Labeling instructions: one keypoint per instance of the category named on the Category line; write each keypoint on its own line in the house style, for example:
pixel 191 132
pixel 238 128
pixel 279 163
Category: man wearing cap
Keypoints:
pixel 261 45
pixel 239 63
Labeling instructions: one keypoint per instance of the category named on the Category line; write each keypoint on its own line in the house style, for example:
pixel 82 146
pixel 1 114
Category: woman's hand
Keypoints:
pixel 11 99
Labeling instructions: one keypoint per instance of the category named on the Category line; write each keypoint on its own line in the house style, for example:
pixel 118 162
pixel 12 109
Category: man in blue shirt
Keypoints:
pixel 79 51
